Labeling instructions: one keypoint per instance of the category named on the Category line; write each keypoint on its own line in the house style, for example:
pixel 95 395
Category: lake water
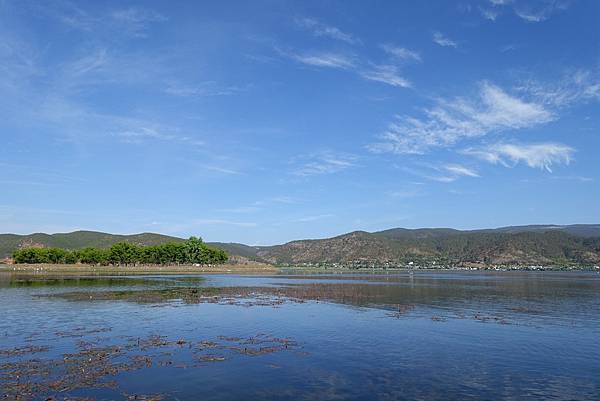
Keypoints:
pixel 427 335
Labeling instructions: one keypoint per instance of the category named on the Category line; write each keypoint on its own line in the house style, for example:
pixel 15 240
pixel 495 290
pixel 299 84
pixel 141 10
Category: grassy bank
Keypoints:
pixel 152 269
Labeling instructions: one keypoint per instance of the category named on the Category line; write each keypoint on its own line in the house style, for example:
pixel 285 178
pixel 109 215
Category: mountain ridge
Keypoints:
pixel 528 244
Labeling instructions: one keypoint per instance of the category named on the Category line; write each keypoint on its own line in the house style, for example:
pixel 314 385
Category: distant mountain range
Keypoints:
pixel 523 245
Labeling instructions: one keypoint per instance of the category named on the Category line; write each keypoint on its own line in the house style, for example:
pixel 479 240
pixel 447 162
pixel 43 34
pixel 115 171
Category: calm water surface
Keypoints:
pixel 427 335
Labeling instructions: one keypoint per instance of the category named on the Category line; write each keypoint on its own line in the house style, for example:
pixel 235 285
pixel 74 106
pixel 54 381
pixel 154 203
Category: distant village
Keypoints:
pixel 433 265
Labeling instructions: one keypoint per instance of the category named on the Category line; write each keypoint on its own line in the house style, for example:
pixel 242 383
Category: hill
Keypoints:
pixel 78 240
pixel 523 245
pixel 516 245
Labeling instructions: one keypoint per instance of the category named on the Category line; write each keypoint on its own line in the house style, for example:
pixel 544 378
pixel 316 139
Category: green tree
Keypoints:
pixel 123 253
pixel 195 251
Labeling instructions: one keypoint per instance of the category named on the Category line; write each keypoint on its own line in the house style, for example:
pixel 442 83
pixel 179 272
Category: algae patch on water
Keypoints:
pixel 245 296
pixel 96 364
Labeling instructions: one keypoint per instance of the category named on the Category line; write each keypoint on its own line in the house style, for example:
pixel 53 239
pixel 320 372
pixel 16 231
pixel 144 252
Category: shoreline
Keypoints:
pixel 257 268
pixel 129 270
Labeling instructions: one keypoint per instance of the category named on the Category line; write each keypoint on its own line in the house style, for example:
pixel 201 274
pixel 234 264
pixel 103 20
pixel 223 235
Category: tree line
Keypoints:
pixel 191 251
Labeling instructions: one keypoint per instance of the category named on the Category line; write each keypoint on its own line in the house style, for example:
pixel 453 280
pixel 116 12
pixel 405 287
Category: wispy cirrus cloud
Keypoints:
pixel 203 89
pixel 576 86
pixel 141 134
pixel 320 29
pixel 540 10
pixel 489 13
pixel 451 173
pixel 401 53
pixel 451 120
pixel 536 155
pixel 441 173
pixel 387 74
pixel 460 170
pixel 528 10
pixel 325 163
pixel 443 40
pixel 323 59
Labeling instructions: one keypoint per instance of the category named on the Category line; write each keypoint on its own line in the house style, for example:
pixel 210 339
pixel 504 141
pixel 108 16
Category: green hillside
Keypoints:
pixel 399 247
pixel 78 240
pixel 522 245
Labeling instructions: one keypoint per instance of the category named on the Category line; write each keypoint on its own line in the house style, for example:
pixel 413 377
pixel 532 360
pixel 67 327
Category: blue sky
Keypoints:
pixel 266 121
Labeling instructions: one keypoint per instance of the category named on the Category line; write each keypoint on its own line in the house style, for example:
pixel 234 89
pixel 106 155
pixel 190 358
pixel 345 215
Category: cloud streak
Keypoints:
pixel 443 40
pixel 401 53
pixel 319 29
pixel 450 121
pixel 529 11
pixel 576 86
pixel 387 74
pixel 323 59
pixel 460 170
pixel 326 163
pixel 539 155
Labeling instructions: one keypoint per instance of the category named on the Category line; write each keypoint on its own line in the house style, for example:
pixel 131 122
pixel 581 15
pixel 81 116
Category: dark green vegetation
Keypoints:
pixel 191 251
pixel 425 247
pixel 78 240
pixel 572 245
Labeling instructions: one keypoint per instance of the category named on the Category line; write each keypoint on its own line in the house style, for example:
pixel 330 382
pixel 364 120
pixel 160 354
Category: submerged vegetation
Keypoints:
pixel 191 251
pixel 95 363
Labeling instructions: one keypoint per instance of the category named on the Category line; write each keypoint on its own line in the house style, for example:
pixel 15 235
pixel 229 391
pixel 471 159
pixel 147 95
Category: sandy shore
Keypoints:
pixel 182 269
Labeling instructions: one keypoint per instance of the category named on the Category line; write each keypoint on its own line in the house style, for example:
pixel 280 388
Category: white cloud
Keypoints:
pixel 443 178
pixel 459 170
pixel 440 173
pixel 401 53
pixel 387 74
pixel 538 155
pixel 575 86
pixel 324 59
pixel 141 134
pixel 203 89
pixel 534 15
pixel 326 163
pixel 530 10
pixel 493 110
pixel 321 30
pixel 489 13
pixel 443 40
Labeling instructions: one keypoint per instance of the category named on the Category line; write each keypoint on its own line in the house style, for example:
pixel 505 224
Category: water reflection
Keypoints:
pixel 434 335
